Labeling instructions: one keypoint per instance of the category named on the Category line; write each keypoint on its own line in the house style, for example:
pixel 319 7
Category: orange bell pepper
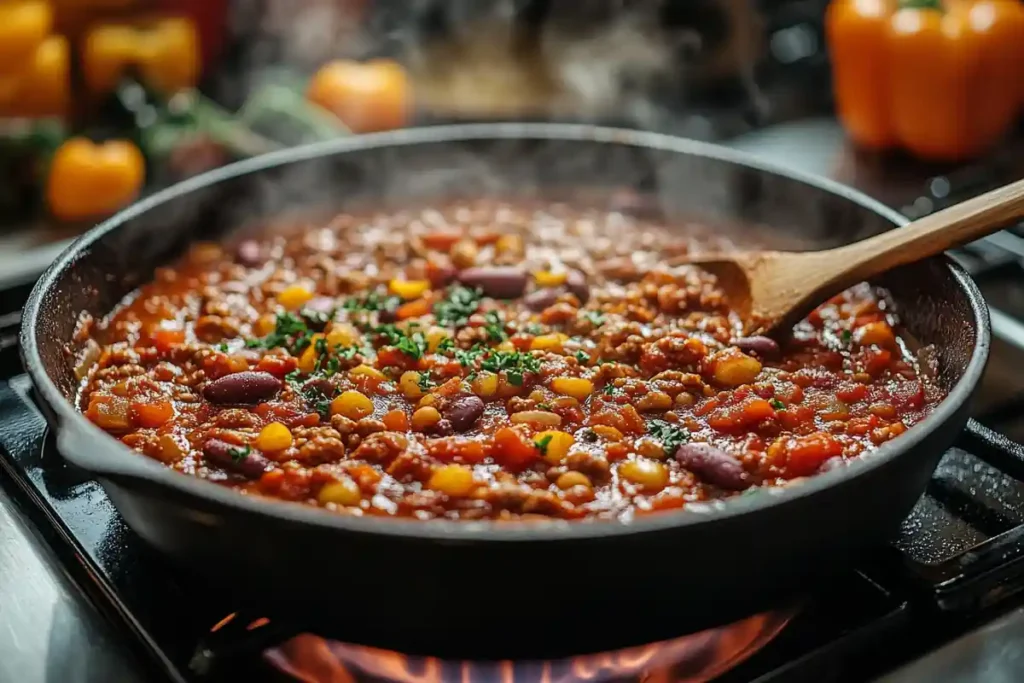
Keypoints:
pixel 367 97
pixel 24 24
pixel 87 180
pixel 938 78
pixel 165 53
pixel 42 87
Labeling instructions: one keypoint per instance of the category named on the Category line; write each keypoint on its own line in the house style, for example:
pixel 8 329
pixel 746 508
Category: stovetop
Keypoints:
pixel 957 565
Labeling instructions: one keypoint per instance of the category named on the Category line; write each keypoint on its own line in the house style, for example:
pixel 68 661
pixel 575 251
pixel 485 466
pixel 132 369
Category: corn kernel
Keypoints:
pixel 505 346
pixel 342 492
pixel 409 289
pixel 410 384
pixel 342 335
pixel 485 384
pixel 353 405
pixel 435 335
pixel 577 387
pixel 274 437
pixel 425 418
pixel 549 342
pixel 570 479
pixel 367 371
pixel 554 445
pixel 308 358
pixel 453 480
pixel 509 245
pixel 265 325
pixel 546 278
pixel 735 368
pixel 650 475
pixel 294 296
pixel 606 432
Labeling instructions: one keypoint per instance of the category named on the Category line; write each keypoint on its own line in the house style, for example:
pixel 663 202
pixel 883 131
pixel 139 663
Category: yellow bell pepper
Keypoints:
pixel 165 53
pixel 87 180
pixel 24 25
pixel 42 85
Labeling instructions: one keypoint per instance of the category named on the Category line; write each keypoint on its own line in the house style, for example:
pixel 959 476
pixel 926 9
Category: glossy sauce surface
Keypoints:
pixel 487 360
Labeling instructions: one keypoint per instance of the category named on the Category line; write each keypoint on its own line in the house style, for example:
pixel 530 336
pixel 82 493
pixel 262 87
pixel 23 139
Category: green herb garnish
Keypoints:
pixel 534 329
pixel 468 357
pixel 372 301
pixel 457 306
pixel 542 443
pixel 447 344
pixel 595 317
pixel 609 390
pixel 777 404
pixel 513 363
pixel 223 346
pixel 846 336
pixel 583 357
pixel 495 326
pixel 671 436
pixel 238 454
pixel 290 332
pixel 425 382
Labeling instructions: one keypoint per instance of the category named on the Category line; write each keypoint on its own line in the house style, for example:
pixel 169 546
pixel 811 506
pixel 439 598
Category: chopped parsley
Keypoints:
pixel 777 404
pixel 583 357
pixel 495 326
pixel 460 303
pixel 534 329
pixel 595 317
pixel 425 382
pixel 239 454
pixel 468 357
pixel 447 344
pixel 290 332
pixel 544 406
pixel 846 336
pixel 412 344
pixel 587 435
pixel 542 443
pixel 513 363
pixel 609 390
pixel 671 436
pixel 223 346
pixel 317 320
pixel 372 301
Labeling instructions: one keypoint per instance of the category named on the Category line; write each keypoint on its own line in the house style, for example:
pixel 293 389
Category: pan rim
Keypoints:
pixel 488 531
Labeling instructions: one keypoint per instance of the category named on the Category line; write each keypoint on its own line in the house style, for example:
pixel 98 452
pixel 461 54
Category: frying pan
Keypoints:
pixel 483 589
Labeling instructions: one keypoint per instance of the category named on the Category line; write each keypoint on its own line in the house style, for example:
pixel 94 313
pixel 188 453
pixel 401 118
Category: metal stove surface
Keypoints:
pixel 957 566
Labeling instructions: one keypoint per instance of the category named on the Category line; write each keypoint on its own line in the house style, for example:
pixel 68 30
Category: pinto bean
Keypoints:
pixel 713 465
pixel 463 412
pixel 541 299
pixel 235 458
pixel 499 282
pixel 240 388
pixel 763 346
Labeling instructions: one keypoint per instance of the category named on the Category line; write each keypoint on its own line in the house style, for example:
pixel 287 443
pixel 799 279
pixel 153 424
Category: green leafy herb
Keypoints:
pixel 777 404
pixel 495 326
pixel 223 346
pixel 425 382
pixel 671 436
pixel 544 406
pixel 583 357
pixel 317 319
pixel 587 435
pixel 468 357
pixel 534 329
pixel 447 344
pixel 609 390
pixel 457 306
pixel 542 443
pixel 413 345
pixel 846 336
pixel 595 317
pixel 513 363
pixel 372 301
pixel 238 454
pixel 290 332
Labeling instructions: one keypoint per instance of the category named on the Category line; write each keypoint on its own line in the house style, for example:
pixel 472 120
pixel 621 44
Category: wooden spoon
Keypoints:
pixel 774 290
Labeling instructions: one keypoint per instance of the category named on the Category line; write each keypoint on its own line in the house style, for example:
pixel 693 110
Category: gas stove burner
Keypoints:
pixel 689 659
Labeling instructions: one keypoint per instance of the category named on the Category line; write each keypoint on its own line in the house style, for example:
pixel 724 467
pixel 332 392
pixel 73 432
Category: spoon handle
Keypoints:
pixel 935 233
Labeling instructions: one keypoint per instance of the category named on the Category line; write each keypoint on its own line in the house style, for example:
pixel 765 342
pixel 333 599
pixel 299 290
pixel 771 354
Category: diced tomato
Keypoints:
pixel 805 454
pixel 413 309
pixel 513 450
pixel 876 360
pixel 466 451
pixel 390 356
pixel 794 417
pixel 439 274
pixel 271 481
pixel 109 412
pixel 851 393
pixel 165 338
pixel 616 451
pixel 219 364
pixel 278 366
pixel 908 395
pixel 440 241
pixel 396 421
pixel 152 414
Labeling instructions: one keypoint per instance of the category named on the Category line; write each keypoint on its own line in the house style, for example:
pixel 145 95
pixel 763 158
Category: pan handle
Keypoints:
pixel 995 449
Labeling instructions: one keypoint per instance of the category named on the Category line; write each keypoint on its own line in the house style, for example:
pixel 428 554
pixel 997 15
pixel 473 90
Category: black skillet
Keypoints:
pixel 474 588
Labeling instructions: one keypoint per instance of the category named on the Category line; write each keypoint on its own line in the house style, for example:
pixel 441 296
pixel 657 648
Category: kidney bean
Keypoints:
pixel 249 253
pixel 713 465
pixel 541 299
pixel 321 386
pixel 762 346
pixel 499 282
pixel 235 458
pixel 463 412
pixel 248 387
pixel 576 282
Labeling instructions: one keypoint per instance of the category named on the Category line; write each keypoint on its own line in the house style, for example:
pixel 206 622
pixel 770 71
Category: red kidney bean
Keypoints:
pixel 541 299
pixel 499 282
pixel 463 412
pixel 576 282
pixel 442 275
pixel 249 253
pixel 321 386
pixel 713 465
pixel 239 459
pixel 762 346
pixel 248 387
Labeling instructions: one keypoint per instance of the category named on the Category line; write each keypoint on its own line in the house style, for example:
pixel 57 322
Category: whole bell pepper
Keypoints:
pixel 165 53
pixel 89 180
pixel 42 85
pixel 938 78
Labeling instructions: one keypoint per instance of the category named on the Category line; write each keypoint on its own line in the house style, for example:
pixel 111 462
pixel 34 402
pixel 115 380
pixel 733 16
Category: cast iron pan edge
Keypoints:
pixel 89 447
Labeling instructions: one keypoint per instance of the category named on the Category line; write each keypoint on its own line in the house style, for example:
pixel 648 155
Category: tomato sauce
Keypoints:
pixel 488 360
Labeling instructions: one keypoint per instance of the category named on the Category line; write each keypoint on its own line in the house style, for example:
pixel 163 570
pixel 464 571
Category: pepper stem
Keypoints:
pixel 922 4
